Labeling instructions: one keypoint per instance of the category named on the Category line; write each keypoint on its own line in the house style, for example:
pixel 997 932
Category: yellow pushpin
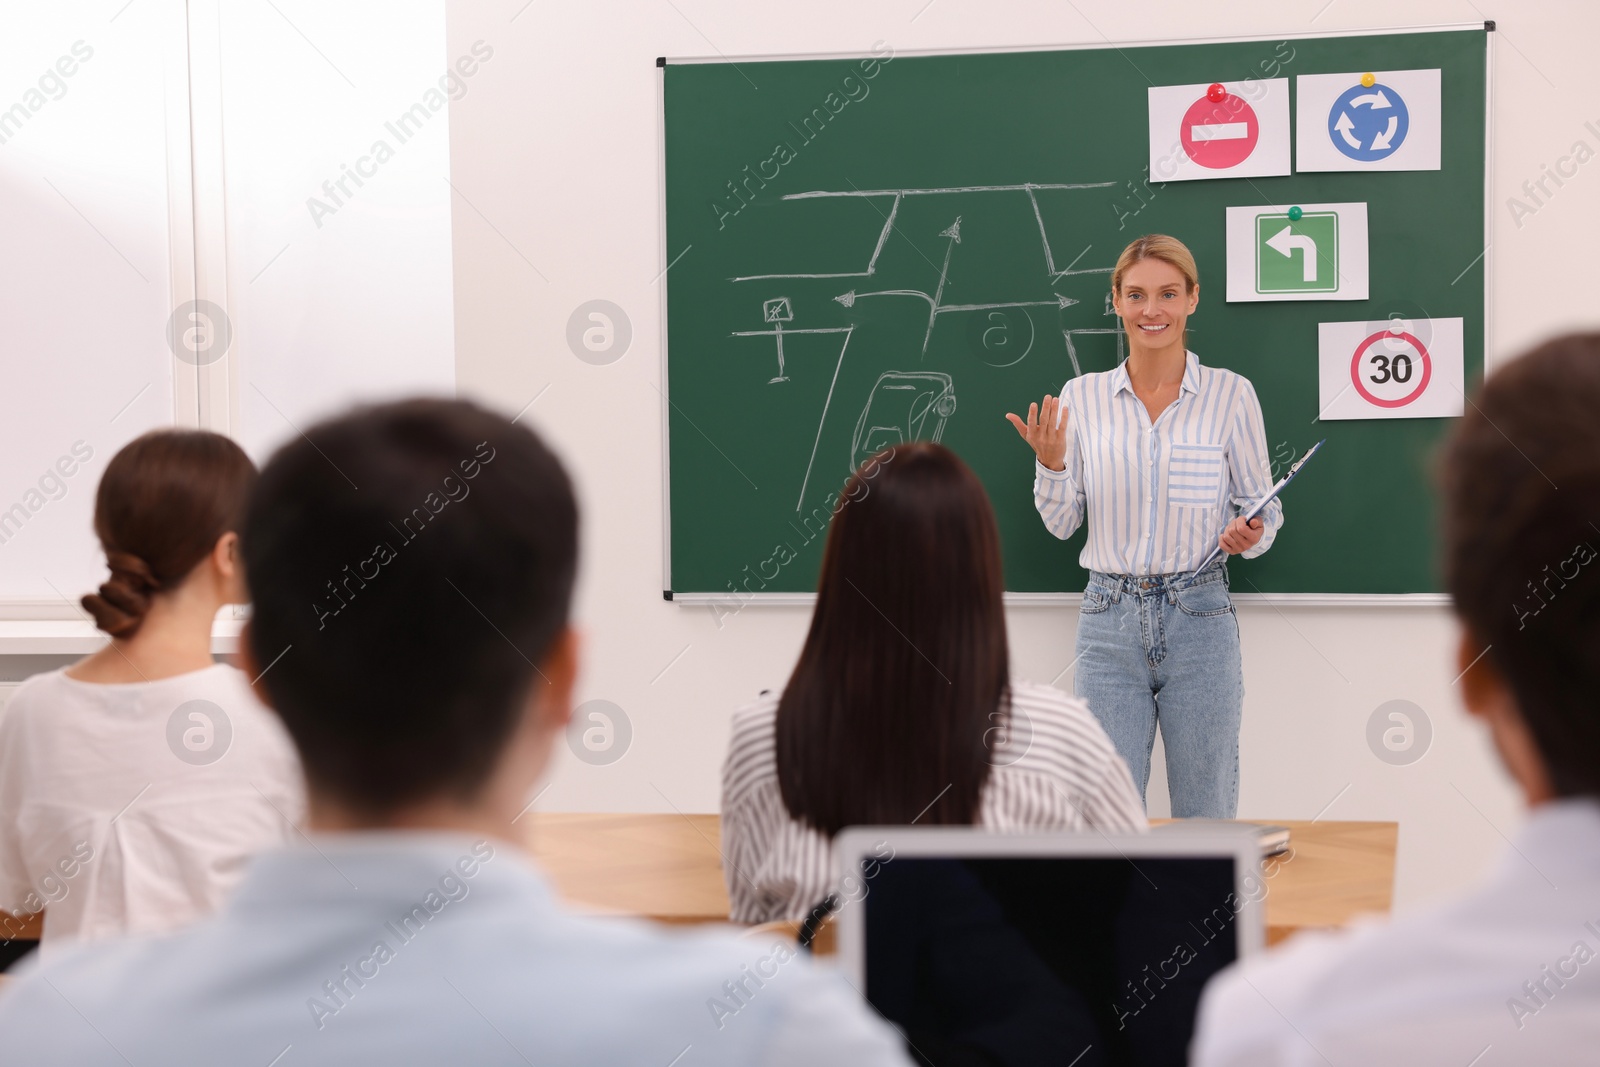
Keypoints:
pixel 1368 81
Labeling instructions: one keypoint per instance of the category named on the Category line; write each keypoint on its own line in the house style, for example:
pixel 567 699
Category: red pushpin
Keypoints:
pixel 1216 93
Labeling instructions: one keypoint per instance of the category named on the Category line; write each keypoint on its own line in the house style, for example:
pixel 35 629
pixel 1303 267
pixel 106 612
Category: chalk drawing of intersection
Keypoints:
pixel 907 405
pixel 900 408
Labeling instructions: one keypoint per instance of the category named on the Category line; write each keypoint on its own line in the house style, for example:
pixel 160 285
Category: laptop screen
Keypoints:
pixel 1071 960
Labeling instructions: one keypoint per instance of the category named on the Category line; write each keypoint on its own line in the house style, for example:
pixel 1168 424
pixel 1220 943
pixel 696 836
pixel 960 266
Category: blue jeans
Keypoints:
pixel 1165 649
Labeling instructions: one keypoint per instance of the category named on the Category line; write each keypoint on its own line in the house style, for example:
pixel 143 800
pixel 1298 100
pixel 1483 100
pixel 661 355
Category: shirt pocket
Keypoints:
pixel 1194 476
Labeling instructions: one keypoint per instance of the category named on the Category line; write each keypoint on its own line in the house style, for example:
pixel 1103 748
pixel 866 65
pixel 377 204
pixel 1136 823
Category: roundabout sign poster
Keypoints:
pixel 1375 120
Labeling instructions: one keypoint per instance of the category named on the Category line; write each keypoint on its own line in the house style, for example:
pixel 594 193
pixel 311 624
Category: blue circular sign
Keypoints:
pixel 1368 124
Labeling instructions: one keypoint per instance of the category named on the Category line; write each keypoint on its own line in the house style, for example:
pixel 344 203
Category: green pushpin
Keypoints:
pixel 1294 214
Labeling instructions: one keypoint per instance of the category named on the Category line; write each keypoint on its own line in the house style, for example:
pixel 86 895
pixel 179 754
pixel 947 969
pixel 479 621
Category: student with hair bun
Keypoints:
pixel 136 783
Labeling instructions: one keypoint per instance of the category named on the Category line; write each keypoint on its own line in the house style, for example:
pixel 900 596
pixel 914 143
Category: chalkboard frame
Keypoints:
pixel 1013 599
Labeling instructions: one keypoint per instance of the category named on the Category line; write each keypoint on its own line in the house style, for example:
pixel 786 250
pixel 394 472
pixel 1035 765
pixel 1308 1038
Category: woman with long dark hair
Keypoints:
pixel 901 708
pixel 135 784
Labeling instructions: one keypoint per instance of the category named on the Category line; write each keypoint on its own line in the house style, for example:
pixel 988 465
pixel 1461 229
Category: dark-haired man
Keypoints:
pixel 1508 973
pixel 412 568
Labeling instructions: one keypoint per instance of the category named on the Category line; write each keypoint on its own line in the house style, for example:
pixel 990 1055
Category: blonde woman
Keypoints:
pixel 1158 457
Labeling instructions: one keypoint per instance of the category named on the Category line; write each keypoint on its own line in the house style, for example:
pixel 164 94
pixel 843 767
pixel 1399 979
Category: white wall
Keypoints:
pixel 111 226
pixel 556 146
pixel 85 285
pixel 339 285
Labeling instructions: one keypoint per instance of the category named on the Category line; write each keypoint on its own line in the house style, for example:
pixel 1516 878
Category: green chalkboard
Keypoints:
pixel 1051 149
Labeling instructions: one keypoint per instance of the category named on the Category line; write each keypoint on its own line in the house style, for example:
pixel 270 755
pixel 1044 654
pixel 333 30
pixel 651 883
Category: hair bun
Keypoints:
pixel 133 571
pixel 120 606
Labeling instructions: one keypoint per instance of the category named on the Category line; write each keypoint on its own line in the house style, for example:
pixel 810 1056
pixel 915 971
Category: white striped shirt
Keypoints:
pixel 1158 496
pixel 1054 769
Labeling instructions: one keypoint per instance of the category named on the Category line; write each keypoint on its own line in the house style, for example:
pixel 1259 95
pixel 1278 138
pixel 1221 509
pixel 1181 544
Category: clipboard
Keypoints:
pixel 1271 495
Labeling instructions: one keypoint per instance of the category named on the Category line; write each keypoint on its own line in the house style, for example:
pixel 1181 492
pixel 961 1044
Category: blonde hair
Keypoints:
pixel 1168 250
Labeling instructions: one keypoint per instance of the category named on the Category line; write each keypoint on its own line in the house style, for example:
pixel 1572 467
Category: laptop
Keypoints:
pixel 1077 949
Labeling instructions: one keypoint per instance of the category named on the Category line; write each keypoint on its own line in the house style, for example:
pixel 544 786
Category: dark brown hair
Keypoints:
pixel 905 668
pixel 403 620
pixel 163 503
pixel 1521 512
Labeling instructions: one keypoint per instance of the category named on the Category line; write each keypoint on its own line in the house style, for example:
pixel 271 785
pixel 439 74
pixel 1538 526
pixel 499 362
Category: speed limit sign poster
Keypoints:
pixel 1390 369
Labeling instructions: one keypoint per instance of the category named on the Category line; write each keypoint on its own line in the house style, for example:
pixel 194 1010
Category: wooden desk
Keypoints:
pixel 21 927
pixel 1332 872
pixel 668 868
pixel 662 867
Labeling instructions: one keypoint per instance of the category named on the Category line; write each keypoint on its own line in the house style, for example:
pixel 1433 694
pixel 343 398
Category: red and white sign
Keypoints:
pixel 1243 134
pixel 1399 369
pixel 1220 134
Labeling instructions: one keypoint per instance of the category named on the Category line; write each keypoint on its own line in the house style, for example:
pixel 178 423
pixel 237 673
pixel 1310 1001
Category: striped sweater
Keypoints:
pixel 1054 770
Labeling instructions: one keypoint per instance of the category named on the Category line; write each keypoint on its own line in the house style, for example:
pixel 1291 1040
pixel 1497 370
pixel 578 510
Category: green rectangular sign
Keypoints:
pixel 1299 255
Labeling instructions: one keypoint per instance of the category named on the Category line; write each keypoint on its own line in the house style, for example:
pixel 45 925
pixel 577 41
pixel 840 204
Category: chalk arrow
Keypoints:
pixel 1059 302
pixel 953 231
pixel 1374 100
pixel 1383 139
pixel 849 299
pixel 1285 242
pixel 1344 126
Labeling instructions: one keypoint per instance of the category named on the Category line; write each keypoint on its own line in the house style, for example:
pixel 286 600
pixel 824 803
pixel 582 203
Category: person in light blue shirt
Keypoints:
pixel 1504 973
pixel 412 567
pixel 1160 456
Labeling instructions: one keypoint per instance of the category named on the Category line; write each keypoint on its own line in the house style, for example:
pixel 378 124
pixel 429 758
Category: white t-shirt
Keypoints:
pixel 133 808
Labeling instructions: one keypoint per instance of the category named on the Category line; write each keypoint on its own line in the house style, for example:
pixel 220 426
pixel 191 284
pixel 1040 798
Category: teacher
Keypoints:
pixel 1162 454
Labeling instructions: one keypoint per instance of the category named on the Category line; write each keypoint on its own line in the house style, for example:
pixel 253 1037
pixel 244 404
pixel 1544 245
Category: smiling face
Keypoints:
pixel 1154 302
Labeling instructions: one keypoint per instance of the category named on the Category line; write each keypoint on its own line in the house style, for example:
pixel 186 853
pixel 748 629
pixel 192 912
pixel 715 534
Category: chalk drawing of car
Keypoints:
pixel 903 406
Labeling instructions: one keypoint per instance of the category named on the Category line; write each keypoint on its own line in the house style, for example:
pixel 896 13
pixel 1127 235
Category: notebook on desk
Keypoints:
pixel 1002 949
pixel 1273 840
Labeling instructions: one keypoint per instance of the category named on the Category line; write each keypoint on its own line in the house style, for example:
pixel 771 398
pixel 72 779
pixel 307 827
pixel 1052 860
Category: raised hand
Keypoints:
pixel 1045 431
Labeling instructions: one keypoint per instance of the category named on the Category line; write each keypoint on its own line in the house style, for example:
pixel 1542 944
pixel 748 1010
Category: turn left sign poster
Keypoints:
pixel 1219 130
